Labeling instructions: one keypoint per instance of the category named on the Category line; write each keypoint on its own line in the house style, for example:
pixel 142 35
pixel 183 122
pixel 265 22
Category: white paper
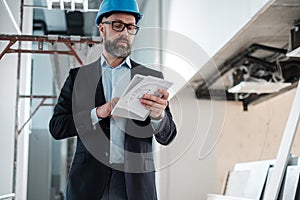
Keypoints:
pixel 129 105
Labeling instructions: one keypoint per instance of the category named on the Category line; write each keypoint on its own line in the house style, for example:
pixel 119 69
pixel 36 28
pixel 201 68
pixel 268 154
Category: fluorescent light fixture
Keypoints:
pixel 259 87
pixel 84 3
pixel 294 53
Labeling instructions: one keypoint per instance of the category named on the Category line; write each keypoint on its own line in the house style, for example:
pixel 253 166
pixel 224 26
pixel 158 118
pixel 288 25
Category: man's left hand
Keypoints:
pixel 156 104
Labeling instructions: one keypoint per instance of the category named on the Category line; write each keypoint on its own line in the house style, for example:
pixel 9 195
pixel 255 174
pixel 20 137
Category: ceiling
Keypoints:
pixel 68 22
pixel 270 27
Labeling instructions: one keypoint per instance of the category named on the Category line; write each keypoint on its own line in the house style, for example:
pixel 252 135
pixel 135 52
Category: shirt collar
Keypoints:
pixel 127 61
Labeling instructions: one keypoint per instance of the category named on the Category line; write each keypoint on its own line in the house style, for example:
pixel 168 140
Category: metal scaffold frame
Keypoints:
pixel 68 41
pixel 42 40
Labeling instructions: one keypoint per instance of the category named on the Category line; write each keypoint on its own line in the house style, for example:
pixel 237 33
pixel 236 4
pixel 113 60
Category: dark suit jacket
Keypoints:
pixel 83 91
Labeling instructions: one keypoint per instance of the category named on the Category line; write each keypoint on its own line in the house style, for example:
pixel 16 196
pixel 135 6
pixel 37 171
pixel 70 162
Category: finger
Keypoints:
pixel 114 101
pixel 103 111
pixel 165 93
pixel 151 104
pixel 154 108
pixel 155 99
pixel 108 110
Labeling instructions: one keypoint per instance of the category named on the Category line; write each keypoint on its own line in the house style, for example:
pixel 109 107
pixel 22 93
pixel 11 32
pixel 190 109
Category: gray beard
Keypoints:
pixel 116 50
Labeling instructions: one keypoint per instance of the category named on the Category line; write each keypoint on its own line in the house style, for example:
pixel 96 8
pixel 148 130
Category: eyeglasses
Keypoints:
pixel 120 26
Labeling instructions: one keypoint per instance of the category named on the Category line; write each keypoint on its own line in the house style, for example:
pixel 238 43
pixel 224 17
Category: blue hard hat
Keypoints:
pixel 118 6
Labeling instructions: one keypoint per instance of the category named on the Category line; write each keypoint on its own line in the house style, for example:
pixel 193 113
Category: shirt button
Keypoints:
pixel 106 154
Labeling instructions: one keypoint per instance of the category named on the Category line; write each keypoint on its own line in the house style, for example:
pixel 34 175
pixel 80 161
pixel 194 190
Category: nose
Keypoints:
pixel 124 32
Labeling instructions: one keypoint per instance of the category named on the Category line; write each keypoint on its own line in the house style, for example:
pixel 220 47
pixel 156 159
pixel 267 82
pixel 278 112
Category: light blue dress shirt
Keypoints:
pixel 115 81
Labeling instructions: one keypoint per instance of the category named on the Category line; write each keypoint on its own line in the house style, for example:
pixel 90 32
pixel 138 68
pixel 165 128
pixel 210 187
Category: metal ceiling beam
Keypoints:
pixel 235 60
pixel 67 41
pixel 204 91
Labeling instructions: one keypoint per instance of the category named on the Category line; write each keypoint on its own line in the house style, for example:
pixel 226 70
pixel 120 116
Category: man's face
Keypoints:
pixel 116 43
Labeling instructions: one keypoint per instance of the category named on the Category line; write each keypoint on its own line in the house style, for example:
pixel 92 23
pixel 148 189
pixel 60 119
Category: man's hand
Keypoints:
pixel 105 110
pixel 156 104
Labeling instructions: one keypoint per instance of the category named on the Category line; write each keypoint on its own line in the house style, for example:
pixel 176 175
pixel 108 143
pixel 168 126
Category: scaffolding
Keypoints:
pixel 68 41
pixel 42 41
pixel 16 40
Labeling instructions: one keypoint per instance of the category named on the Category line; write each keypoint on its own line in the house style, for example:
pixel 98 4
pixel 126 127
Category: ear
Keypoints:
pixel 101 29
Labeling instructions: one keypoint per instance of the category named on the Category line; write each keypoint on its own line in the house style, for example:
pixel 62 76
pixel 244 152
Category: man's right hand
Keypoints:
pixel 105 110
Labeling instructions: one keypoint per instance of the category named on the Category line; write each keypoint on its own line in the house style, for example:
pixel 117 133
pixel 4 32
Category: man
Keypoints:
pixel 113 158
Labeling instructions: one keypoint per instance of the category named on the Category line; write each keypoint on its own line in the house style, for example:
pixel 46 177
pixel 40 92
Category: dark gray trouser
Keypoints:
pixel 115 188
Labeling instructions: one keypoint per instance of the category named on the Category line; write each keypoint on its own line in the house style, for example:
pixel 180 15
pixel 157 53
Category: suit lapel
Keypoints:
pixel 137 69
pixel 99 97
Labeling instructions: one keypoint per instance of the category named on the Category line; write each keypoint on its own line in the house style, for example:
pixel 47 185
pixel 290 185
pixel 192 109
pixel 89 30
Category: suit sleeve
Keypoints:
pixel 167 130
pixel 62 124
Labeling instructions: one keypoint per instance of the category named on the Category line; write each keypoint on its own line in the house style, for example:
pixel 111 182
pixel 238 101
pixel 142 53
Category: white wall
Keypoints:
pixel 229 17
pixel 212 23
pixel 8 71
pixel 7 118
pixel 8 80
pixel 192 170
